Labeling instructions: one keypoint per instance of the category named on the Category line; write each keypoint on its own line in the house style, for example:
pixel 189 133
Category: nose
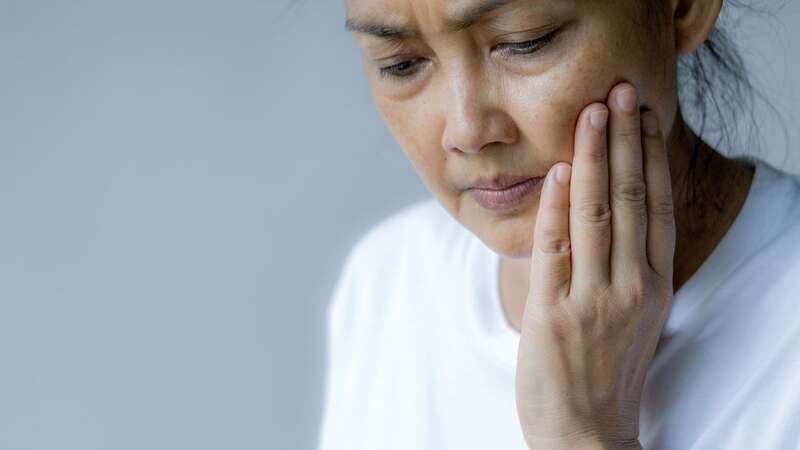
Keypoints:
pixel 474 116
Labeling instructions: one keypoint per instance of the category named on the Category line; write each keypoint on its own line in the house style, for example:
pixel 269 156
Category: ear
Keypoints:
pixel 693 21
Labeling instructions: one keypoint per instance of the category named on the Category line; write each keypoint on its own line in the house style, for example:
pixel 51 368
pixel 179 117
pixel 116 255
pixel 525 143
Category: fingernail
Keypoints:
pixel 650 123
pixel 550 181
pixel 626 99
pixel 562 174
pixel 598 119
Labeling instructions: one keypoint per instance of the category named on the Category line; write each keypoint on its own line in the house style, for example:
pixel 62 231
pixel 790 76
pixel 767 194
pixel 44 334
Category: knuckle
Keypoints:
pixel 597 154
pixel 635 292
pixel 630 190
pixel 552 319
pixel 633 301
pixel 595 289
pixel 554 245
pixel 661 283
pixel 596 213
pixel 638 286
pixel 663 209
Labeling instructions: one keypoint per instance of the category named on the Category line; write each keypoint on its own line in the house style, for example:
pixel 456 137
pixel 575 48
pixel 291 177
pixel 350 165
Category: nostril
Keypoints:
pixel 473 136
pixel 465 145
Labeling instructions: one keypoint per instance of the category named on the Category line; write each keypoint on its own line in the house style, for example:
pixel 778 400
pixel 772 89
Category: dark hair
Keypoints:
pixel 714 78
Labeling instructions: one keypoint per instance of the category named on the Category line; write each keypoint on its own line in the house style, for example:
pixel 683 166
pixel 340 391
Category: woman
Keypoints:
pixel 590 273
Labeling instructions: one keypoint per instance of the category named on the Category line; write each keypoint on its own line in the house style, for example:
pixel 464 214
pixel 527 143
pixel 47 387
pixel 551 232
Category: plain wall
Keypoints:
pixel 180 182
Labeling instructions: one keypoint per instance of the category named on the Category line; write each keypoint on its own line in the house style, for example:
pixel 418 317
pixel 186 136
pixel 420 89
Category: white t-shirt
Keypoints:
pixel 421 356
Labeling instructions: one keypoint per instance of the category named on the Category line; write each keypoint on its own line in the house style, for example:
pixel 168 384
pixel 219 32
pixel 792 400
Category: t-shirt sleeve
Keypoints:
pixel 357 328
pixel 338 392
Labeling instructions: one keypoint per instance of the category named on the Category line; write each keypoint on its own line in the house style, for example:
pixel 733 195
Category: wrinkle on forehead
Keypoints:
pixel 417 18
pixel 426 17
pixel 416 14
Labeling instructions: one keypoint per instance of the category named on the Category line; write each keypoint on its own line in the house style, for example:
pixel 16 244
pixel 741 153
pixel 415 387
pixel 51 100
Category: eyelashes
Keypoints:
pixel 526 47
pixel 406 69
pixel 400 70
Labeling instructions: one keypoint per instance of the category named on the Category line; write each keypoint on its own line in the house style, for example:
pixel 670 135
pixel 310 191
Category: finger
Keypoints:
pixel 550 256
pixel 590 214
pixel 627 187
pixel 660 210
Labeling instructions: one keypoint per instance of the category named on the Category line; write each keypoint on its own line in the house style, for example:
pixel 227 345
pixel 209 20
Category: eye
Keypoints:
pixel 526 47
pixel 406 69
pixel 402 69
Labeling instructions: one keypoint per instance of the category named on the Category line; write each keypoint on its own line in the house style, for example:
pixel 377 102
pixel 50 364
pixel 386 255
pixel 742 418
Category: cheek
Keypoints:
pixel 417 130
pixel 546 110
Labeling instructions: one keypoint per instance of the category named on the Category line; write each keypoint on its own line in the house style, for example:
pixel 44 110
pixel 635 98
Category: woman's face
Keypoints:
pixel 470 103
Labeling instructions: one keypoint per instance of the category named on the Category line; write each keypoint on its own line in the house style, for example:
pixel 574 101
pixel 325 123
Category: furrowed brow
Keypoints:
pixel 458 22
pixel 469 16
pixel 380 30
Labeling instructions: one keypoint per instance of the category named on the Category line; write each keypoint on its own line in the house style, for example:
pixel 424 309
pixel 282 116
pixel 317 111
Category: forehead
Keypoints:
pixel 440 7
pixel 383 7
pixel 396 18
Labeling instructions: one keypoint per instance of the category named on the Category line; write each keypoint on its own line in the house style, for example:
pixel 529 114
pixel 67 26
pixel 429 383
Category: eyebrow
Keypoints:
pixel 459 22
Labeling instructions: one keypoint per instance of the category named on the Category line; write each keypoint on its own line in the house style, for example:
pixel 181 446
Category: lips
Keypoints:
pixel 500 182
pixel 507 199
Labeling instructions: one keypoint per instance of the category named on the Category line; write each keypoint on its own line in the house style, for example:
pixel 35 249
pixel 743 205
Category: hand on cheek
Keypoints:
pixel 600 281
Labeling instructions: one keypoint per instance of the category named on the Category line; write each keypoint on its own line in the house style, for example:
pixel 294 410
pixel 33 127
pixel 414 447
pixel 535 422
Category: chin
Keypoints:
pixel 511 238
pixel 512 251
pixel 509 235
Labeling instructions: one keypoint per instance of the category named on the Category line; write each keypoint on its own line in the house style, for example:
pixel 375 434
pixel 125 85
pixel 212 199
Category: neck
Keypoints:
pixel 708 192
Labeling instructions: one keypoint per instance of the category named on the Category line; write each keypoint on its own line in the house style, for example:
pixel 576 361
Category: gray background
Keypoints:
pixel 179 183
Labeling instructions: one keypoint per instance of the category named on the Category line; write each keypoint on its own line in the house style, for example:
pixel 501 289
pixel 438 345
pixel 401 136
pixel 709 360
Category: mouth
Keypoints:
pixel 510 196
pixel 499 181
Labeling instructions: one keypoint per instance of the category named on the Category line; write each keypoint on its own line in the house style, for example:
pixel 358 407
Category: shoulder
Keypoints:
pixel 380 310
pixel 396 253
pixel 419 231
pixel 774 221
pixel 779 196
